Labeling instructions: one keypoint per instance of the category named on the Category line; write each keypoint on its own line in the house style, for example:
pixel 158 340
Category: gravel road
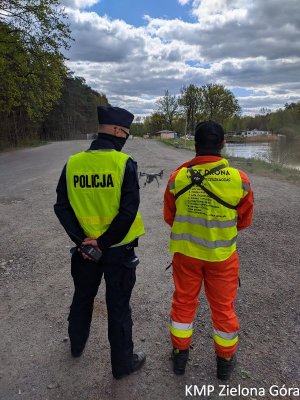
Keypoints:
pixel 36 291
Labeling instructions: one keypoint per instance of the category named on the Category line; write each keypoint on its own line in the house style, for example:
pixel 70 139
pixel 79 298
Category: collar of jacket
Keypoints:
pixel 105 141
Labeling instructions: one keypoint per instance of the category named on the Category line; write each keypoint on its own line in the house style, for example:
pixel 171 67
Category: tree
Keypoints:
pixel 39 23
pixel 137 128
pixel 32 35
pixel 155 123
pixel 190 101
pixel 168 107
pixel 218 103
pixel 290 106
pixel 75 113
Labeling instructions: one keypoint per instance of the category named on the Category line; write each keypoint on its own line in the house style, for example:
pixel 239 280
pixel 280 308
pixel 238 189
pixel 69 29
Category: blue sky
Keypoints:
pixel 135 50
pixel 133 11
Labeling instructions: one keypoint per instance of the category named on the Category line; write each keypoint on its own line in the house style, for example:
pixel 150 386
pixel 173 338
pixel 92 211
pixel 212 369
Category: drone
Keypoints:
pixel 150 177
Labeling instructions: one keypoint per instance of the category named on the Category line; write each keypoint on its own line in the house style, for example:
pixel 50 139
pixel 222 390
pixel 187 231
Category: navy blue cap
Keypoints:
pixel 108 115
pixel 209 134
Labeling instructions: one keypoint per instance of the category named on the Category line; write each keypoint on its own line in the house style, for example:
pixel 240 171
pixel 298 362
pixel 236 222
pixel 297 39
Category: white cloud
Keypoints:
pixel 183 2
pixel 252 45
pixel 78 4
pixel 212 13
pixel 100 39
pixel 253 104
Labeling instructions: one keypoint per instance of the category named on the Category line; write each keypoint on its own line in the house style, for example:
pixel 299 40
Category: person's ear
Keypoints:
pixel 116 131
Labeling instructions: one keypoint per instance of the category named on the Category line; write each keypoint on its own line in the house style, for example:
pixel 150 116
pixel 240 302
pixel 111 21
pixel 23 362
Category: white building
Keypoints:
pixel 255 132
pixel 165 134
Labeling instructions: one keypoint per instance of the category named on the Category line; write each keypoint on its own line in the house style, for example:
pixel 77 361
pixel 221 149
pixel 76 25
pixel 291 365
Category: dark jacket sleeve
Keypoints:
pixel 129 204
pixel 64 211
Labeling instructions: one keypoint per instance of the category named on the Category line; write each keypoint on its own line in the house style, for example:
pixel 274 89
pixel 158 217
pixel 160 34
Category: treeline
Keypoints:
pixel 195 103
pixel 285 121
pixel 75 113
pixel 39 98
pixel 213 101
pixel 72 115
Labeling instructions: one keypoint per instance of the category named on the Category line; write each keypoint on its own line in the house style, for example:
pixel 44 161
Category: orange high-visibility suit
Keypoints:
pixel 219 275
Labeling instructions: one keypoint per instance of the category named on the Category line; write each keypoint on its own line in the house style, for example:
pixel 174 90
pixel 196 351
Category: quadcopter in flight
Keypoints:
pixel 151 176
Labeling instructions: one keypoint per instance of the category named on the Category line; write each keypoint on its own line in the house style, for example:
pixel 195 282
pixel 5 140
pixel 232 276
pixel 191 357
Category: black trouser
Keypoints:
pixel 118 266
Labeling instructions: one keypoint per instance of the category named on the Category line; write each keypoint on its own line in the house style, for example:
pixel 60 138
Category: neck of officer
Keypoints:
pixel 107 141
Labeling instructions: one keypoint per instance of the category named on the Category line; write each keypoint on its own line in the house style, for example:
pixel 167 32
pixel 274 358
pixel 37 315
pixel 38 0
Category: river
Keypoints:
pixel 280 152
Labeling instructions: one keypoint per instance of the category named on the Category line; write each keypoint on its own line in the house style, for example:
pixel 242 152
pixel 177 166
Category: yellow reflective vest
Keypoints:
pixel 94 181
pixel 203 228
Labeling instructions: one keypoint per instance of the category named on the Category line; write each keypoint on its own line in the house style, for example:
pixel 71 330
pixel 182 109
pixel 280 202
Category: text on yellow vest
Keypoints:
pixel 203 228
pixel 94 182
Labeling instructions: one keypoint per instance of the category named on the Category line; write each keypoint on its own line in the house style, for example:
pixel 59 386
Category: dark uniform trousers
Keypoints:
pixel 118 266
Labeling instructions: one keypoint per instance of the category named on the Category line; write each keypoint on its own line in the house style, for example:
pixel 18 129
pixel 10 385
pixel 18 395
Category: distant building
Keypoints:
pixel 165 134
pixel 254 132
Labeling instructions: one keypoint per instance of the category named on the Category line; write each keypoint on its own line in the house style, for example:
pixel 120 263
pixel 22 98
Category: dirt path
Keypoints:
pixel 36 291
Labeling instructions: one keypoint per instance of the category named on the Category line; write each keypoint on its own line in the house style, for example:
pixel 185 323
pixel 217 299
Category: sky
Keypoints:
pixel 135 50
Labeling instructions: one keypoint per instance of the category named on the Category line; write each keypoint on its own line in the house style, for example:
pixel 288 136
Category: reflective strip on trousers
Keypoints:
pixel 205 222
pixel 225 339
pixel 181 330
pixel 202 242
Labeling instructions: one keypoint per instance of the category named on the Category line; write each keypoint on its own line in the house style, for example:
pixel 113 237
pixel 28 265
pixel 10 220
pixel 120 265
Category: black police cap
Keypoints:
pixel 108 115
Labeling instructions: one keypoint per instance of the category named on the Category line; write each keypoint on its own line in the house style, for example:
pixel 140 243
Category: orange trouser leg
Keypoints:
pixel 187 275
pixel 221 283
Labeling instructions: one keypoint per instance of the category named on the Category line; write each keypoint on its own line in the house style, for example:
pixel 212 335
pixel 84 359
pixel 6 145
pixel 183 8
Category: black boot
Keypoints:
pixel 225 367
pixel 138 361
pixel 76 351
pixel 77 346
pixel 180 358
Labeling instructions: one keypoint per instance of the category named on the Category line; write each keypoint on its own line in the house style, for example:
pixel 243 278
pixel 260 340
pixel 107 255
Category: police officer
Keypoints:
pixel 206 203
pixel 97 204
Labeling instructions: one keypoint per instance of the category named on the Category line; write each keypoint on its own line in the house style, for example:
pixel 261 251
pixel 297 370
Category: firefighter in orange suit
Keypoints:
pixel 206 203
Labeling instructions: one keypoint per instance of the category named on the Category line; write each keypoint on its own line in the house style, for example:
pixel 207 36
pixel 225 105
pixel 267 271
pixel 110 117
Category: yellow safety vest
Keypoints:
pixel 203 228
pixel 94 181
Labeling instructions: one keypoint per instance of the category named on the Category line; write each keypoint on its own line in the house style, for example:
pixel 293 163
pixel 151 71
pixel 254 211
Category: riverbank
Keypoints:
pixel 252 139
pixel 252 165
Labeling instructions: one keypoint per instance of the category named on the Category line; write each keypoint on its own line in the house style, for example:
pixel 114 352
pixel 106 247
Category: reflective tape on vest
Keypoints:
pixel 225 339
pixel 181 330
pixel 205 243
pixel 205 222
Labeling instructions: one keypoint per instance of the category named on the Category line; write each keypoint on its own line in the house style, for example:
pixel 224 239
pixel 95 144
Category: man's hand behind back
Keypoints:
pixel 89 242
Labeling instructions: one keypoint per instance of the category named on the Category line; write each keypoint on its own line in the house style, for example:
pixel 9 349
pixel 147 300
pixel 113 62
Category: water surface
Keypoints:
pixel 281 152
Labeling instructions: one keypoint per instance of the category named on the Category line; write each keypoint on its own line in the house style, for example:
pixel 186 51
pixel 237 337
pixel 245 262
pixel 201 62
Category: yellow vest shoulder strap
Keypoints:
pixel 197 179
